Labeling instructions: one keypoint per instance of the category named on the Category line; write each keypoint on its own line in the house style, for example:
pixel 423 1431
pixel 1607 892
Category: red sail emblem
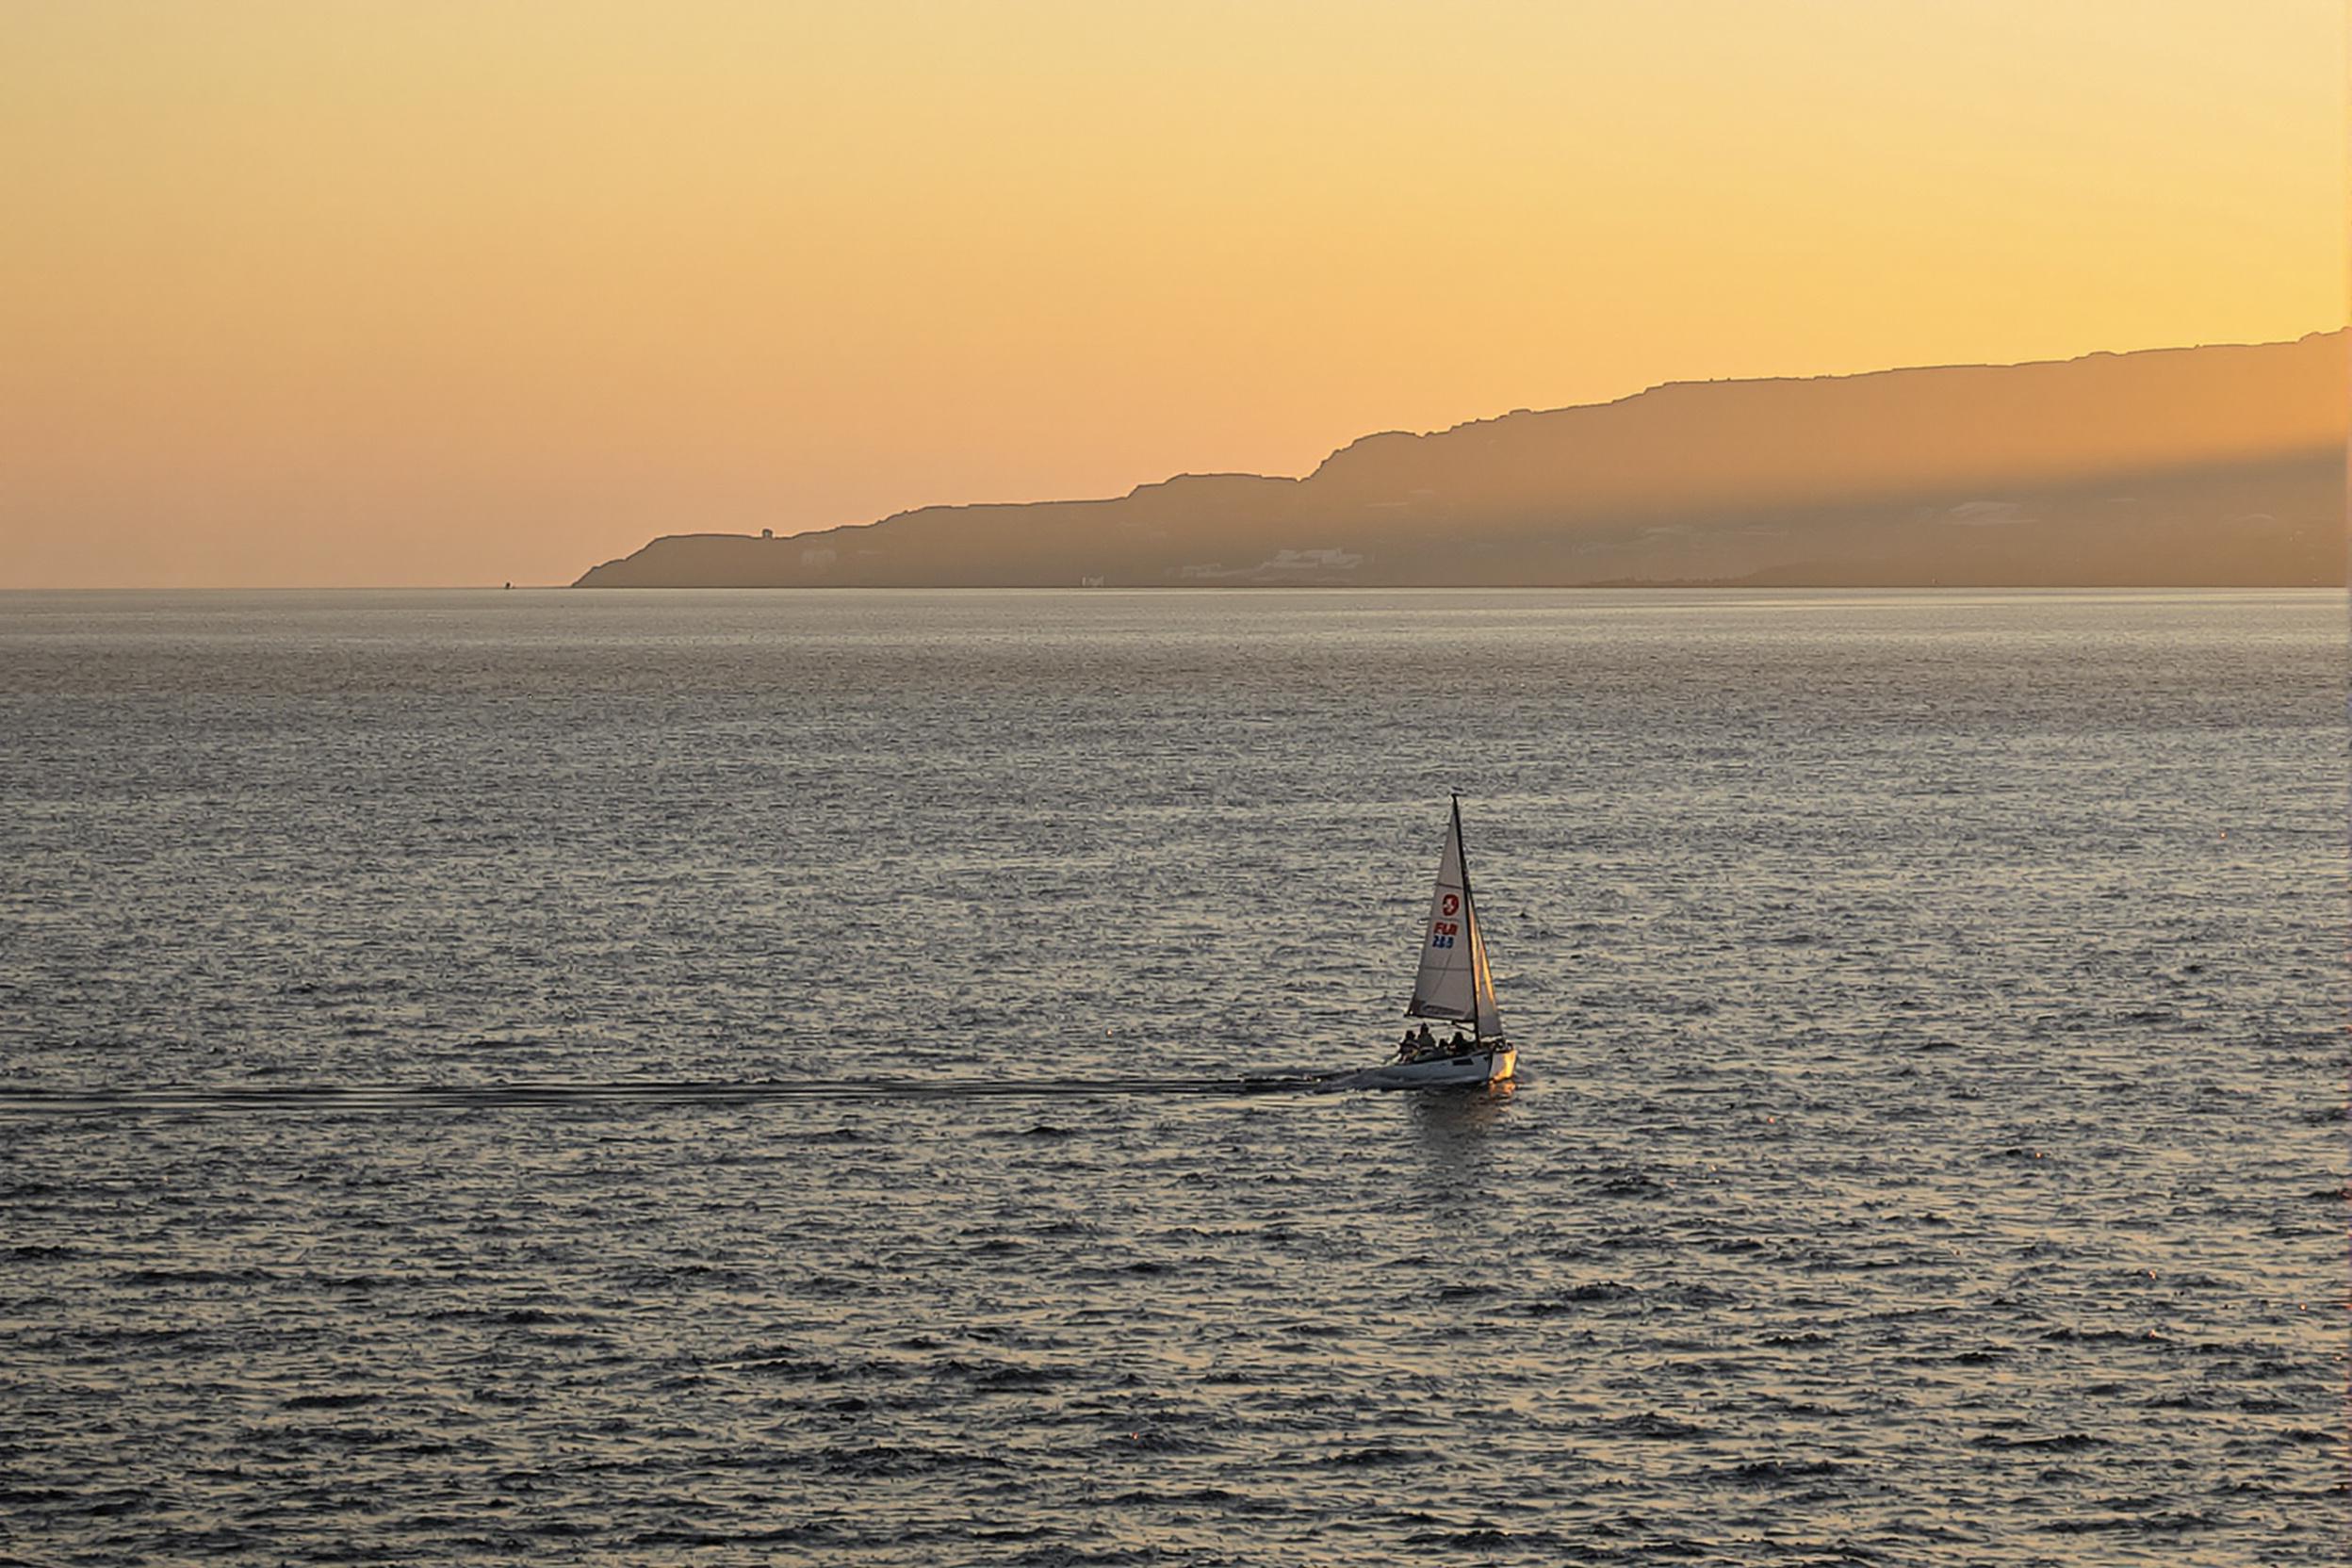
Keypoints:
pixel 1447 905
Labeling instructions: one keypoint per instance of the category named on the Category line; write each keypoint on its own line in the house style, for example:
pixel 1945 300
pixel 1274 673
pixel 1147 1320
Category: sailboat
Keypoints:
pixel 1453 983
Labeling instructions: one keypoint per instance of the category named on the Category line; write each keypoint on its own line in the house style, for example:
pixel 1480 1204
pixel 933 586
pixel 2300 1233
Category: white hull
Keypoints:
pixel 1472 1067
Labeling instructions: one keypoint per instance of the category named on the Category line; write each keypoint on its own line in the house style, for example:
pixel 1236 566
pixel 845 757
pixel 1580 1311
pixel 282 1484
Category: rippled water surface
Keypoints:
pixel 727 1078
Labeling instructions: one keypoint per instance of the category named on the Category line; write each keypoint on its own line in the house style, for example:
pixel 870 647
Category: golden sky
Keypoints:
pixel 334 291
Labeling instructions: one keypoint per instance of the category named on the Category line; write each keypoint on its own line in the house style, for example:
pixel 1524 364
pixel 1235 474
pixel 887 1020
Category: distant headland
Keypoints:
pixel 2218 466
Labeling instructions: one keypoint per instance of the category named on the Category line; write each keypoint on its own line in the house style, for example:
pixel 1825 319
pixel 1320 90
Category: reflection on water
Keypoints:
pixel 1453 1146
pixel 1459 1118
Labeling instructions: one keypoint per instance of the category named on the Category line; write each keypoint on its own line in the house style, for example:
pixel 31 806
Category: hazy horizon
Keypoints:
pixel 434 296
pixel 1139 483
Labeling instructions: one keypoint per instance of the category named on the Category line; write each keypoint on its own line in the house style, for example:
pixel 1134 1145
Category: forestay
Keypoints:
pixel 1454 981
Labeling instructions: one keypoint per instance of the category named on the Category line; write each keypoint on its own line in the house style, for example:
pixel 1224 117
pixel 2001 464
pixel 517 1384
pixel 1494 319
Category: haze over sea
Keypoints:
pixel 744 1077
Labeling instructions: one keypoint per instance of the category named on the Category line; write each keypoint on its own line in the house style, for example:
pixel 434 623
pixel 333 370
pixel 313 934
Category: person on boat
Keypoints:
pixel 1460 1043
pixel 1424 1040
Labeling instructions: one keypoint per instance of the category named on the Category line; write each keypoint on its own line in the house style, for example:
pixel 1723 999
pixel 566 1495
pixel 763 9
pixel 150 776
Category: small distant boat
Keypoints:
pixel 1453 985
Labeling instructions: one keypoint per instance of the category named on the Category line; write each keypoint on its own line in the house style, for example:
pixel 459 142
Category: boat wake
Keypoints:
pixel 205 1099
pixel 1388 1077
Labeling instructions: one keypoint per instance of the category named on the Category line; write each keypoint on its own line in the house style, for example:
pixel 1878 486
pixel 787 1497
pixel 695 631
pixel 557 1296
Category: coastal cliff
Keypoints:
pixel 2212 466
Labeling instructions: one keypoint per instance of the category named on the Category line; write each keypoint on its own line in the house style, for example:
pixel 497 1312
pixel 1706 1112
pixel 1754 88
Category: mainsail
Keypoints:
pixel 1454 982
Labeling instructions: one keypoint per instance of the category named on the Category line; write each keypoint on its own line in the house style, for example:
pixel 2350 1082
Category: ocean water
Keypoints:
pixel 793 1077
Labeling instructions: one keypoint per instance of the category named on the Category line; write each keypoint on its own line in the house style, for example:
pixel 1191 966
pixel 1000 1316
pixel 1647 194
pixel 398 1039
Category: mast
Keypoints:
pixel 1482 1007
pixel 1469 913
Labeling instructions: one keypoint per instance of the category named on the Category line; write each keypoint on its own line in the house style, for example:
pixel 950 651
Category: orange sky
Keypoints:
pixel 420 292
